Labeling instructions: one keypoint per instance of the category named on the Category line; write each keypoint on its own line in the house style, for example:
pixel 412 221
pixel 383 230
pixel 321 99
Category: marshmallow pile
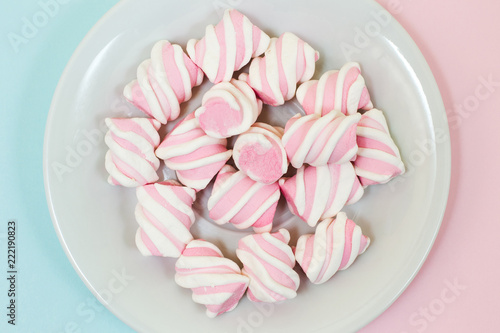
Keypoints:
pixel 340 145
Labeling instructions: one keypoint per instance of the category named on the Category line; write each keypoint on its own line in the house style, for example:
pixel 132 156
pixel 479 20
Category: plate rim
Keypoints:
pixel 443 155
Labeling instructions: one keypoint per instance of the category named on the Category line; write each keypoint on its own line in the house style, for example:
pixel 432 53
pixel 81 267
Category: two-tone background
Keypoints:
pixel 457 289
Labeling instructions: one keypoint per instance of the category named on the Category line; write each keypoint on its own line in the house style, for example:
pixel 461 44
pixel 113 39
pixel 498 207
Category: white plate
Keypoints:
pixel 95 221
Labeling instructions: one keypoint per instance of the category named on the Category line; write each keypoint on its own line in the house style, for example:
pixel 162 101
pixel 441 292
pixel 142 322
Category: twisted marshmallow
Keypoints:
pixel 165 215
pixel 130 160
pixel 320 140
pixel 216 281
pixel 287 61
pixel 228 109
pixel 378 159
pixel 228 46
pixel 317 193
pixel 333 247
pixel 195 156
pixel 260 154
pixel 268 261
pixel 343 90
pixel 239 200
pixel 163 82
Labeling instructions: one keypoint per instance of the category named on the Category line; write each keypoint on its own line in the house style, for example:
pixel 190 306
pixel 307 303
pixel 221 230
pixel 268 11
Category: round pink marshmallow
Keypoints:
pixel 228 109
pixel 260 154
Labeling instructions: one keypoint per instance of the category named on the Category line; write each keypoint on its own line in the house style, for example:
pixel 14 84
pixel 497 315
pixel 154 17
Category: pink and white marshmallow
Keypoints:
pixel 228 46
pixel 130 160
pixel 268 261
pixel 195 156
pixel 165 215
pixel 378 159
pixel 288 61
pixel 260 154
pixel 216 281
pixel 342 90
pixel 333 247
pixel 317 193
pixel 163 82
pixel 243 202
pixel 228 109
pixel 318 141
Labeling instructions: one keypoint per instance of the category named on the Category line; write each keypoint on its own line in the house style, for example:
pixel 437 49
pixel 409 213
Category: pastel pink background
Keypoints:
pixel 460 40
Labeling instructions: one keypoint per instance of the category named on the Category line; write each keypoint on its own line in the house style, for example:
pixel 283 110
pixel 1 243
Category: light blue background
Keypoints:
pixel 51 296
